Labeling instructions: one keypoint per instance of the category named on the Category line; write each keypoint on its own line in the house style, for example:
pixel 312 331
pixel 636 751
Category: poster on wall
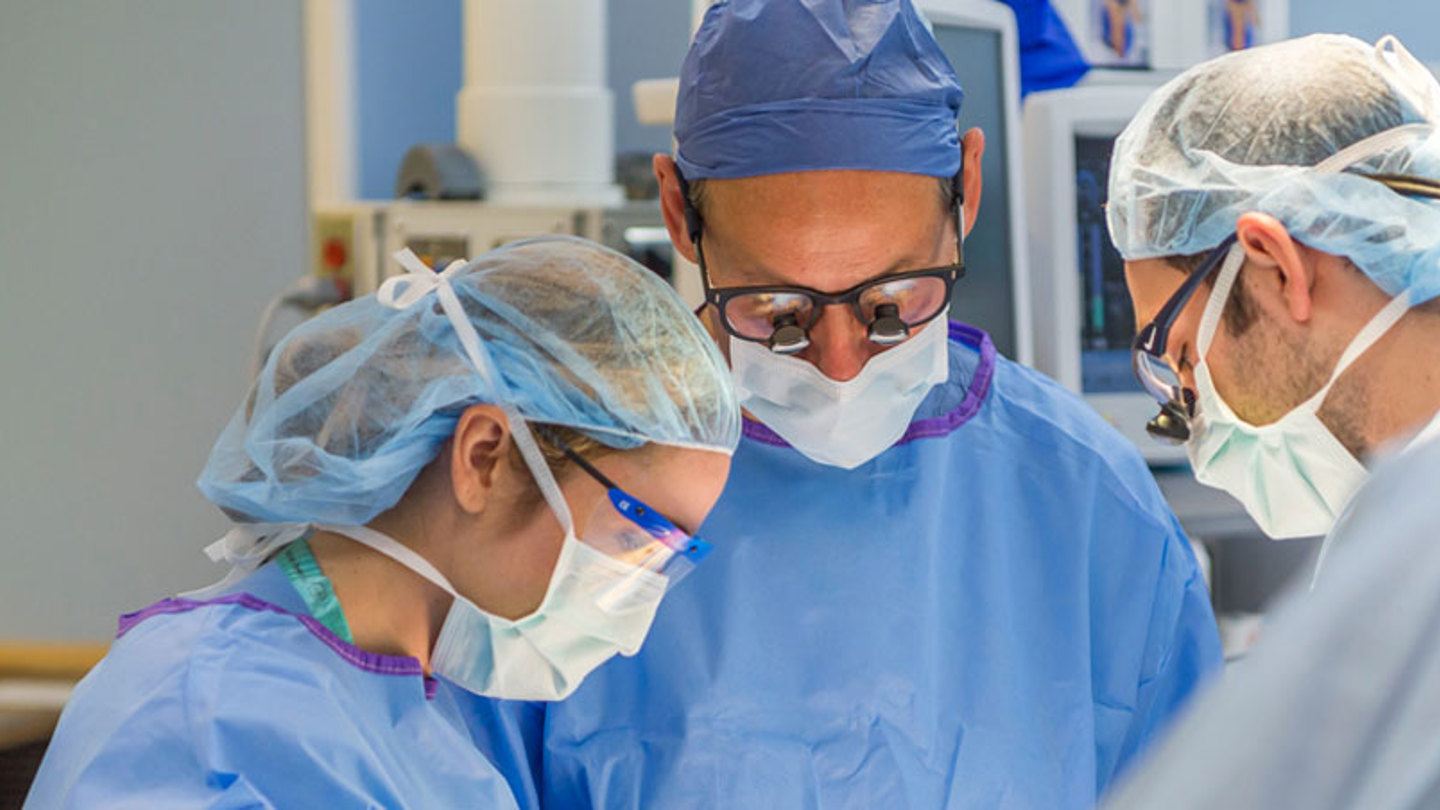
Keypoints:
pixel 1235 25
pixel 1118 34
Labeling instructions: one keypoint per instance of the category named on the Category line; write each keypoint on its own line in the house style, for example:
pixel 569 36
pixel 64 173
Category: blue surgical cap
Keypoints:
pixel 356 401
pixel 774 86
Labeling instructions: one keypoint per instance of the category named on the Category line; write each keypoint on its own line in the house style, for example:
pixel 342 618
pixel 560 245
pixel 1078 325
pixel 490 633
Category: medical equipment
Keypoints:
pixel 352 243
pixel 533 155
pixel 979 39
pixel 1084 321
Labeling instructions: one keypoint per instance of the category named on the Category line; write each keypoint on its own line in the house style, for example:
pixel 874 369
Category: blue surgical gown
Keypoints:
pixel 999 612
pixel 1338 706
pixel 245 701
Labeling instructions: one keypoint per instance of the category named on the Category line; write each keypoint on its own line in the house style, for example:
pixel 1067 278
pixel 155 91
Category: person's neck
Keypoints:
pixel 1403 387
pixel 389 608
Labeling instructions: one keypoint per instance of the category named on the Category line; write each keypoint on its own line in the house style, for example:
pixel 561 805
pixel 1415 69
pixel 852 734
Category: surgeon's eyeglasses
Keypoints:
pixel 1147 356
pixel 891 307
pixel 627 529
pixel 1156 375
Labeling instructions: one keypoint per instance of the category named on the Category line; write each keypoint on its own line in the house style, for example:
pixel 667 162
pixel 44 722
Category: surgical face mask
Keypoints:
pixel 842 424
pixel 544 656
pixel 1293 476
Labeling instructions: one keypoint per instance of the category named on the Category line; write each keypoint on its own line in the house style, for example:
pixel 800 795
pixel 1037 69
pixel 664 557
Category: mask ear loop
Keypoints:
pixel 1219 295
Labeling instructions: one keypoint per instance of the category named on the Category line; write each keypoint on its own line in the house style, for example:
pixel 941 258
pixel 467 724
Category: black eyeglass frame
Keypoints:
pixel 718 297
pixel 1177 404
pixel 1154 338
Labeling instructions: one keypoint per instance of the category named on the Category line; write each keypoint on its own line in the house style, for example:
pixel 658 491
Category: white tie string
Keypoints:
pixel 246 547
pixel 419 280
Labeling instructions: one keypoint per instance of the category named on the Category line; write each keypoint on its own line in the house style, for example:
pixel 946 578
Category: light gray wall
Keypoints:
pixel 1415 22
pixel 151 199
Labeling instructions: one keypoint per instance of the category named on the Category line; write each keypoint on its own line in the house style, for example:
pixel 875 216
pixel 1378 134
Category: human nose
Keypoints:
pixel 839 345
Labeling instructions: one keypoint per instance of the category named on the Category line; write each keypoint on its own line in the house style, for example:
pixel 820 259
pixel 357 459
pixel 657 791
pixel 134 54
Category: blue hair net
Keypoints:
pixel 774 86
pixel 356 401
pixel 1289 130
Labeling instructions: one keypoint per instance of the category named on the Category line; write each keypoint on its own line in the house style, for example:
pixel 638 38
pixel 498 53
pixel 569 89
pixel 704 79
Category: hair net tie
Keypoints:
pixel 419 280
pixel 245 548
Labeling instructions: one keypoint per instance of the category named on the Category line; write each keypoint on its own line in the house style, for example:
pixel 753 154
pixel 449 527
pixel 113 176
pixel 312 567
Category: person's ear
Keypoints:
pixel 478 452
pixel 672 205
pixel 1280 271
pixel 972 182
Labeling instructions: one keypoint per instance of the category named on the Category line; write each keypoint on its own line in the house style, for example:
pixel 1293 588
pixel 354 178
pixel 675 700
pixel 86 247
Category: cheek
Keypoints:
pixel 1245 377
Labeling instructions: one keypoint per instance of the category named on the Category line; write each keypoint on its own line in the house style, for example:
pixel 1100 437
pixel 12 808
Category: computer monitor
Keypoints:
pixel 979 39
pixel 1084 323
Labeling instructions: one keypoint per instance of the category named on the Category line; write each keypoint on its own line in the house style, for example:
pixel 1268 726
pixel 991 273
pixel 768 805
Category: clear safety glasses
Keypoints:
pixel 631 533
pixel 1156 375
pixel 891 307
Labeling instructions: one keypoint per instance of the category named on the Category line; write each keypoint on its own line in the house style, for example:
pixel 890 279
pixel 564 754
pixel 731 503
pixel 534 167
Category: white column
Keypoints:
pixel 330 101
pixel 535 111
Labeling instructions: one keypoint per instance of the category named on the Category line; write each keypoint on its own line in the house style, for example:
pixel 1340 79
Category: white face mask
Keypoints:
pixel 842 424
pixel 1293 476
pixel 545 655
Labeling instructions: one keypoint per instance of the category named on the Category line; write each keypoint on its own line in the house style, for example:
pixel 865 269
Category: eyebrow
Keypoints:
pixel 763 276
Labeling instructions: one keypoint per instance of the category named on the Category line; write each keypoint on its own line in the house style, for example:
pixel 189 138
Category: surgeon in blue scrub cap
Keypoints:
pixel 946 582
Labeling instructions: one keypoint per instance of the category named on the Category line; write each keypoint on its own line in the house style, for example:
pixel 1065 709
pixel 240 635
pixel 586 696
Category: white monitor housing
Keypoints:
pixel 979 38
pixel 1084 322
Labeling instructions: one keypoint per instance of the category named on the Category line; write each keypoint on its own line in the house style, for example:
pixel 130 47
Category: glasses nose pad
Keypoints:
pixel 788 337
pixel 1172 424
pixel 887 329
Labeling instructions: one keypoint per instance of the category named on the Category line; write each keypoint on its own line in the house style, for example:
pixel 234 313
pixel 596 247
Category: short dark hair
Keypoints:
pixel 1239 314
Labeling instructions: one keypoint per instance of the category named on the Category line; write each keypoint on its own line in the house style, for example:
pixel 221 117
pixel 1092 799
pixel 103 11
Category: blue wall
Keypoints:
pixel 408 70
pixel 410 65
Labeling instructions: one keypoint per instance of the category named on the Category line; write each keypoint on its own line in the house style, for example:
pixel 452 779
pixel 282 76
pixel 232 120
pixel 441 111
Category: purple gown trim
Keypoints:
pixel 361 659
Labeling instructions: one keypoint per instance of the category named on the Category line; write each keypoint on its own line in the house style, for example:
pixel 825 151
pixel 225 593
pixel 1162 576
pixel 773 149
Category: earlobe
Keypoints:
pixel 972 147
pixel 1276 261
pixel 672 205
pixel 481 442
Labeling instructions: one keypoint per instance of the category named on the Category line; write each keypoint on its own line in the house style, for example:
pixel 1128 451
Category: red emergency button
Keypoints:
pixel 334 254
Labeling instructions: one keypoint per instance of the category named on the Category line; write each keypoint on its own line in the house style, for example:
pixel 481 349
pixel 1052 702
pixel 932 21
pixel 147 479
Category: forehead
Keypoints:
pixel 824 229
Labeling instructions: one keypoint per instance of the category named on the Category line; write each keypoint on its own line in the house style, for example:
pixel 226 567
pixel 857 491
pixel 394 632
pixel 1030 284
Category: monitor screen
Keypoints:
pixel 985 297
pixel 1107 322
